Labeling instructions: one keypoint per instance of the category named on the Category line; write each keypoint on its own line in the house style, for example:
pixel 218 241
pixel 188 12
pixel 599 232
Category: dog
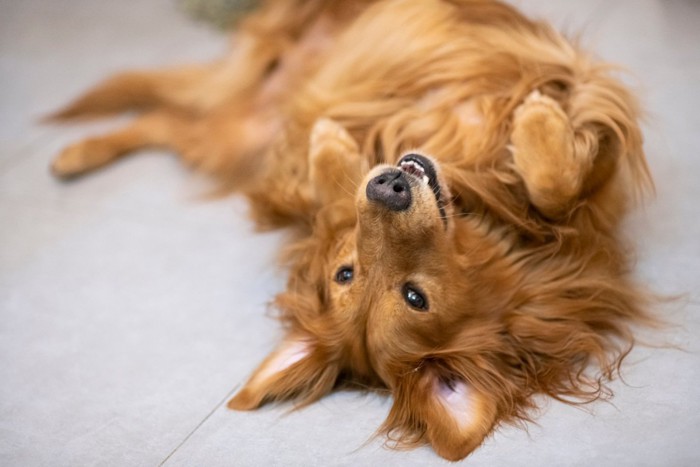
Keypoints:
pixel 455 175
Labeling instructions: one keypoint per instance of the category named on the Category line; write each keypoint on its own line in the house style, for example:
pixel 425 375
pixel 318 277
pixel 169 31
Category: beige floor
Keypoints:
pixel 129 308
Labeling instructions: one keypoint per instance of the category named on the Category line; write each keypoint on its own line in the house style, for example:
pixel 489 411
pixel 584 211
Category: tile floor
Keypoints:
pixel 130 307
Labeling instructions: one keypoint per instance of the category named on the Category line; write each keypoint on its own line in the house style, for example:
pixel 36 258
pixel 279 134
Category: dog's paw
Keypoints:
pixel 87 155
pixel 536 102
pixel 542 136
pixel 542 143
pixel 336 166
pixel 328 134
pixel 73 160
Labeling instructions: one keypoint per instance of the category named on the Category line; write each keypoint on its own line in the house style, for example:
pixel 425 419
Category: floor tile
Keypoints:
pixel 131 306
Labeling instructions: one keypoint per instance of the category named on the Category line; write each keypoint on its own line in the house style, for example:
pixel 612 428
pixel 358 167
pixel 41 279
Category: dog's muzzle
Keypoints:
pixel 391 189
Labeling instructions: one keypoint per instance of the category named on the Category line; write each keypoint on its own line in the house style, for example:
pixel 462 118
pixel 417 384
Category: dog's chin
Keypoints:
pixel 404 200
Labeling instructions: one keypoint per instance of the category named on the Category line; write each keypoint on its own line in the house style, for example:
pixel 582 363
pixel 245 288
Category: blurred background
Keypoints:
pixel 130 308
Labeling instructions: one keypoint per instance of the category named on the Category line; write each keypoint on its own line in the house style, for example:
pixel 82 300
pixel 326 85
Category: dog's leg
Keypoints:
pixel 195 89
pixel 258 45
pixel 544 155
pixel 156 129
pixel 336 167
pixel 139 90
pixel 223 144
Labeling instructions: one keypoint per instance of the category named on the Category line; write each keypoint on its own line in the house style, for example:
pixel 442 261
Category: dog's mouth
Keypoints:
pixel 423 169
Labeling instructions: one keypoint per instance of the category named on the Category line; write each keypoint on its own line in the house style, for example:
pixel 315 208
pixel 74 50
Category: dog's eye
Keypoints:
pixel 344 275
pixel 415 298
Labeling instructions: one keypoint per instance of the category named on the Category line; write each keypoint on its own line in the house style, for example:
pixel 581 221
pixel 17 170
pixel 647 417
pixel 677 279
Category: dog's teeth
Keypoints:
pixel 416 169
pixel 413 165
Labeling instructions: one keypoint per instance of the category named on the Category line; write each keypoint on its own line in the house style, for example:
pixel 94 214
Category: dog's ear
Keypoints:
pixel 433 405
pixel 336 166
pixel 297 368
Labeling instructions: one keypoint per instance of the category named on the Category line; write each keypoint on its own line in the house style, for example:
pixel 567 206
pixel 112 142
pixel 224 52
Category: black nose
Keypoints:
pixel 390 189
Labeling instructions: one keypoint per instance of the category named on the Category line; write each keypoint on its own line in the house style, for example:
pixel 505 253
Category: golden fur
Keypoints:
pixel 538 154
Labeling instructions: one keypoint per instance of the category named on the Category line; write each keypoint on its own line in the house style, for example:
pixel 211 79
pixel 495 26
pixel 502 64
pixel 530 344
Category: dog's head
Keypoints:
pixel 404 295
pixel 462 319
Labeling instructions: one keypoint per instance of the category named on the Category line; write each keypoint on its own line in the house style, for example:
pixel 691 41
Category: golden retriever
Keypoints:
pixel 455 173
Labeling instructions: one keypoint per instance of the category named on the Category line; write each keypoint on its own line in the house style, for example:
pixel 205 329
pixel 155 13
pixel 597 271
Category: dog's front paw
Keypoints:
pixel 328 134
pixel 540 103
pixel 542 143
pixel 336 166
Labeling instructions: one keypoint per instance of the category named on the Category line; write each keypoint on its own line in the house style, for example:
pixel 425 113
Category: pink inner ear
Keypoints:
pixel 458 399
pixel 288 354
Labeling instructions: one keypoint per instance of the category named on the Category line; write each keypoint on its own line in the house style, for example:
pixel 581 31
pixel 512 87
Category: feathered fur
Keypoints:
pixel 539 155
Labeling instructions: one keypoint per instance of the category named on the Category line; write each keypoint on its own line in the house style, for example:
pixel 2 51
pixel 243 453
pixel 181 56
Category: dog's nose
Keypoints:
pixel 391 189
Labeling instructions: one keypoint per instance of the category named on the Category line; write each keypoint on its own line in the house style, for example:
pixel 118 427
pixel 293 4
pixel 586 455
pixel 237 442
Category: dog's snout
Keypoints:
pixel 390 189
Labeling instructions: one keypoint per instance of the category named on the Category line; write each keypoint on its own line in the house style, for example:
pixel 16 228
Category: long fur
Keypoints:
pixel 542 305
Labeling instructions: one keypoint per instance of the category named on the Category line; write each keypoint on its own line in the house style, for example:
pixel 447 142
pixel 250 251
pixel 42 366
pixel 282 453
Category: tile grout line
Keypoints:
pixel 199 425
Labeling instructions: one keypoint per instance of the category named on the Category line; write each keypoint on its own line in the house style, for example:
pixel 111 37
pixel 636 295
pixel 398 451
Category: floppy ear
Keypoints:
pixel 336 166
pixel 298 368
pixel 434 406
